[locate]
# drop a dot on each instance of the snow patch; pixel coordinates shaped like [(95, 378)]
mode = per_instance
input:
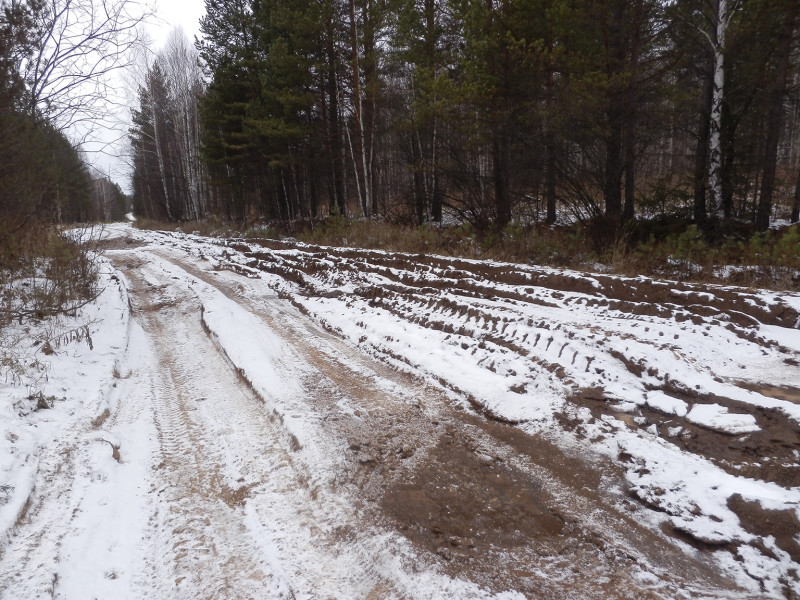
[(716, 417)]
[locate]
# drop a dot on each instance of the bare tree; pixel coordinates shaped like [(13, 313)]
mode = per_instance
[(182, 66), (169, 174), (79, 44)]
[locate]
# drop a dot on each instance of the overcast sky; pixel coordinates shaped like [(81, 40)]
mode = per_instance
[(184, 13)]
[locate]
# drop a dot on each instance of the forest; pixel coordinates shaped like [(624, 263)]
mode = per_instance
[(43, 175), (53, 55), (499, 116), (487, 112), (501, 300)]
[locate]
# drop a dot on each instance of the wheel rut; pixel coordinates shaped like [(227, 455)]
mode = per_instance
[(473, 496), (234, 496)]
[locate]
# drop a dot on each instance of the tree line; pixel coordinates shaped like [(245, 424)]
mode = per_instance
[(55, 59), (488, 111), (53, 55)]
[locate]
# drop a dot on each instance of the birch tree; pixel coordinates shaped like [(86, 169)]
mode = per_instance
[(169, 176), (367, 25), (724, 11), (182, 67)]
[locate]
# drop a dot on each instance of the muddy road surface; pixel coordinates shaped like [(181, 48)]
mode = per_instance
[(332, 423)]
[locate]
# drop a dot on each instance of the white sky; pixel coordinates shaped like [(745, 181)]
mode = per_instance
[(167, 16), (183, 13)]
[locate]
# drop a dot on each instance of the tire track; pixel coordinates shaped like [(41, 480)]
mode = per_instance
[(236, 499), (608, 544)]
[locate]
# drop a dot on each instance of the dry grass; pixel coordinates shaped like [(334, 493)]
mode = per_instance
[(100, 419), (45, 273), (670, 249)]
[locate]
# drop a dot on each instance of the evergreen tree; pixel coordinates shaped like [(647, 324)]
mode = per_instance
[(487, 109), (609, 58), (229, 49), (425, 39)]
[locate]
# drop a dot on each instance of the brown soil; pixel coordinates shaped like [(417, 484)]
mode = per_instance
[(481, 494), (768, 454), (485, 500), (790, 394), (783, 525), (737, 306), (470, 502)]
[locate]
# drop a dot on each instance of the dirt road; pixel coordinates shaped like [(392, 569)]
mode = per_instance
[(262, 451)]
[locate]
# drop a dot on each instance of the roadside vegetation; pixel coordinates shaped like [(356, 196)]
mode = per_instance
[(48, 192), (449, 111), (635, 137), (667, 248), (46, 47)]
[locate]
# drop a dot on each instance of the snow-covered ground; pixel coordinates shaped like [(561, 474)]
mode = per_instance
[(260, 419)]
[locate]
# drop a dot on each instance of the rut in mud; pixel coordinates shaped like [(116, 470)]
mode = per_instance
[(472, 495), (623, 366), (305, 422)]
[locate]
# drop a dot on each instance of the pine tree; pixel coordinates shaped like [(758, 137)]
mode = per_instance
[(425, 45), (788, 15), (229, 49), (608, 58)]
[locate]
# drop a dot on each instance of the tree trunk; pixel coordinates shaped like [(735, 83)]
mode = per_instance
[(161, 166), (431, 35), (775, 120), (613, 172), (728, 164), (357, 169), (502, 192), (334, 131), (550, 150), (550, 178), (312, 193), (615, 111), (436, 191), (369, 108), (327, 156), (796, 204), (715, 123), (630, 120), (630, 170), (419, 178), (357, 149), (701, 153)]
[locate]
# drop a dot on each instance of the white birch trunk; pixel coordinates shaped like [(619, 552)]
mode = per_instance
[(161, 167), (715, 137)]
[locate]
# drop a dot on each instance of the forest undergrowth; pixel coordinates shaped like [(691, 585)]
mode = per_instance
[(730, 253), (46, 276)]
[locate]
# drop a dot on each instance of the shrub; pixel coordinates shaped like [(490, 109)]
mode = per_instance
[(47, 273)]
